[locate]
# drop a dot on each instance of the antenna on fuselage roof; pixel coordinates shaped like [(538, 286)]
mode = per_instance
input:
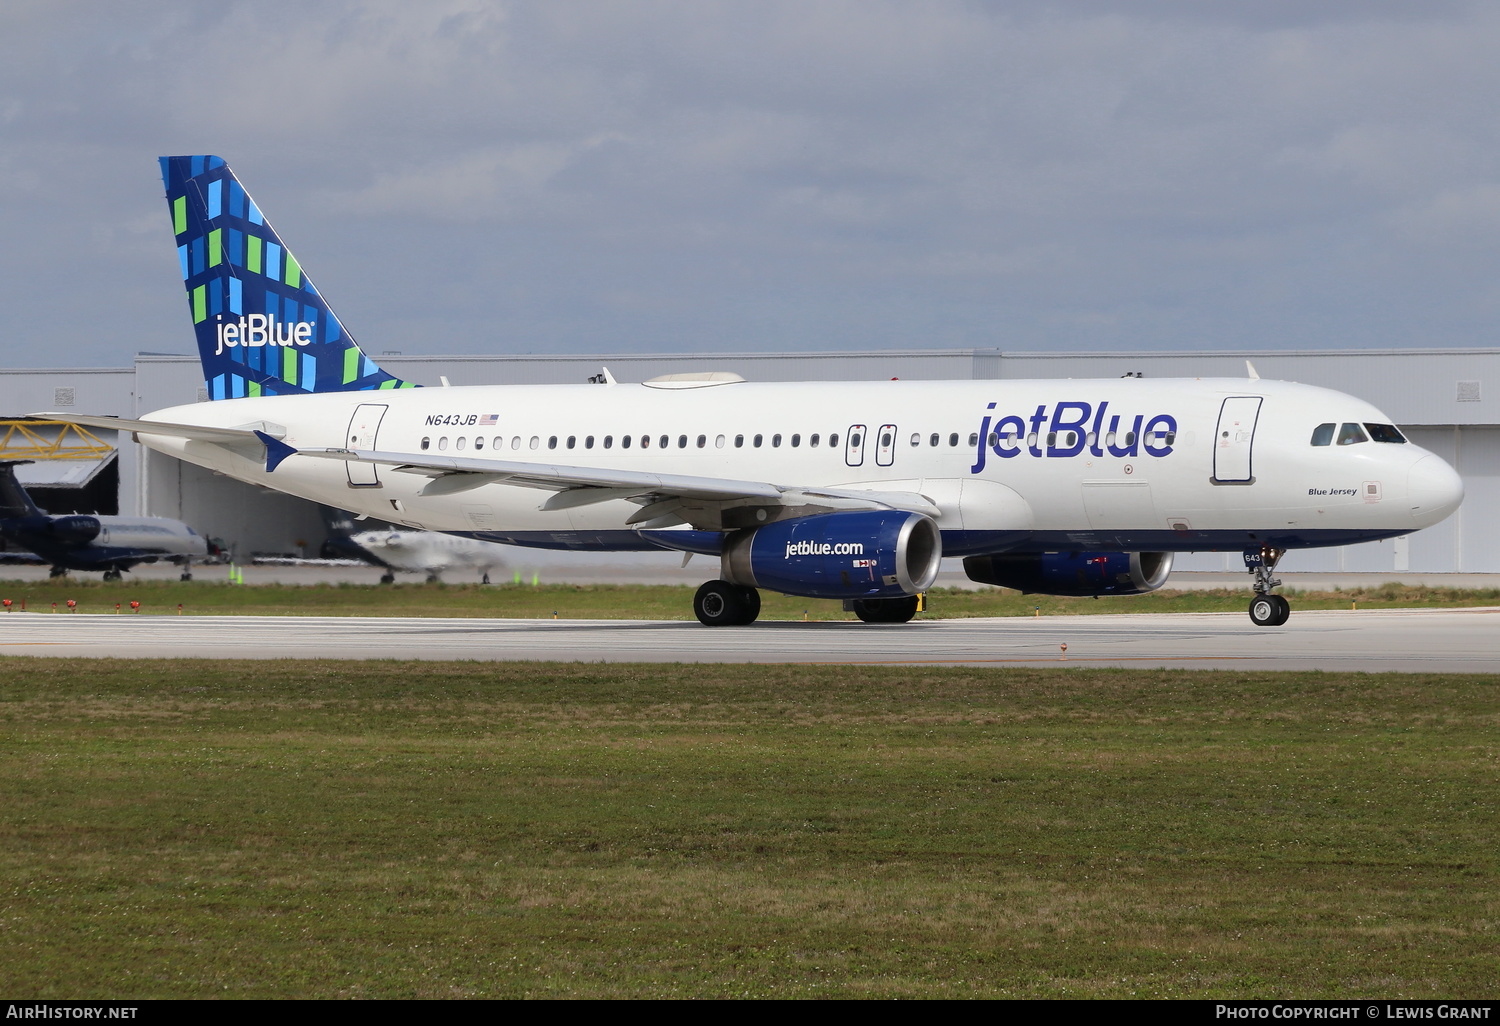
[(604, 377), (1251, 371)]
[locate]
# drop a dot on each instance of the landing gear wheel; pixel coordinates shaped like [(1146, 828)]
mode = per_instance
[(387, 578), (721, 604), (113, 575), (886, 610), (187, 575), (1266, 609), (58, 571), (751, 608), (1269, 610)]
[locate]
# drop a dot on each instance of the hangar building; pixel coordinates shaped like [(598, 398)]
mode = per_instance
[(1436, 396)]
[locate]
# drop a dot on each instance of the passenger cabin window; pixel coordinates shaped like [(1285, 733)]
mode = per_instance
[(588, 442), (974, 438), (572, 440), (459, 444), (645, 441), (609, 441), (953, 439), (813, 441), (624, 441), (739, 441), (758, 439), (1323, 434), (1352, 434), (479, 443), (552, 442), (664, 441), (796, 441), (934, 440), (776, 441), (833, 441), (916, 440), (425, 443), (443, 442), (702, 441), (1385, 433), (497, 443), (682, 441)]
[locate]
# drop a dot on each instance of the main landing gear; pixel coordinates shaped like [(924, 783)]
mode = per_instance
[(1266, 609), (113, 574), (721, 604), (894, 610)]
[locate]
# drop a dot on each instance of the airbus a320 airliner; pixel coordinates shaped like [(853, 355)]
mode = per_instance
[(834, 490)]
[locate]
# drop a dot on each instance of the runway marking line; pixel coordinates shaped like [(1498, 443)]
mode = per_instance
[(1039, 659)]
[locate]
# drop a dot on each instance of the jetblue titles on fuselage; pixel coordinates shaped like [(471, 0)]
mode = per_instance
[(1070, 428)]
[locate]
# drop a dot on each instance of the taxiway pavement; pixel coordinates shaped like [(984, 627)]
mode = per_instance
[(1425, 641)]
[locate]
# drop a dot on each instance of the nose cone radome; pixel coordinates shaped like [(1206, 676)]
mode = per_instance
[(1435, 490)]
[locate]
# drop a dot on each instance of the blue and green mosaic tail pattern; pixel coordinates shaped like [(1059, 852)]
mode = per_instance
[(262, 327)]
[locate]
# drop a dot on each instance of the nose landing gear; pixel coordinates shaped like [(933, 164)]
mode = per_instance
[(1266, 609)]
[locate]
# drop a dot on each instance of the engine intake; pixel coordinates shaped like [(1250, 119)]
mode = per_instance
[(856, 554), (1073, 573)]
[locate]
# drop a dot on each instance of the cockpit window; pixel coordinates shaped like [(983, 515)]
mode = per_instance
[(1323, 434), (1385, 433), (1352, 434)]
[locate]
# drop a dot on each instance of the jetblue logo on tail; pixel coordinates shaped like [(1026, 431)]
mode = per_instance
[(263, 330)]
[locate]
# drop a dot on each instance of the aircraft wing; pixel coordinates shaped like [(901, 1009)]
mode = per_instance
[(666, 499)]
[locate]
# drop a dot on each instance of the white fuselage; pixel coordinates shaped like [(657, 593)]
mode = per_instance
[(1118, 463)]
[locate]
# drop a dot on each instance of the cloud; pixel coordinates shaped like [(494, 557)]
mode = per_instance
[(488, 176)]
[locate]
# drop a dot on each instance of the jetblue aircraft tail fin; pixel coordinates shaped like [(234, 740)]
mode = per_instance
[(14, 502), (262, 327)]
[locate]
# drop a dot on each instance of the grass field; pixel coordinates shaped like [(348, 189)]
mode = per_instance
[(648, 602), (185, 829)]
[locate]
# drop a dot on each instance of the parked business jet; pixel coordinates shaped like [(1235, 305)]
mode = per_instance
[(85, 541), (818, 489), (418, 552)]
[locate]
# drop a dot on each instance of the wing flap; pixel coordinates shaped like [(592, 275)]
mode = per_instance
[(708, 503), (557, 478)]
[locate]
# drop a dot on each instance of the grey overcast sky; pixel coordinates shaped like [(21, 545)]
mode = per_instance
[(462, 176)]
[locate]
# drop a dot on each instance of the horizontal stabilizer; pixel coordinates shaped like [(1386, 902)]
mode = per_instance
[(158, 427)]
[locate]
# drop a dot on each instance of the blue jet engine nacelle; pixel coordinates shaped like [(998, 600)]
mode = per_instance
[(854, 555), (1073, 573)]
